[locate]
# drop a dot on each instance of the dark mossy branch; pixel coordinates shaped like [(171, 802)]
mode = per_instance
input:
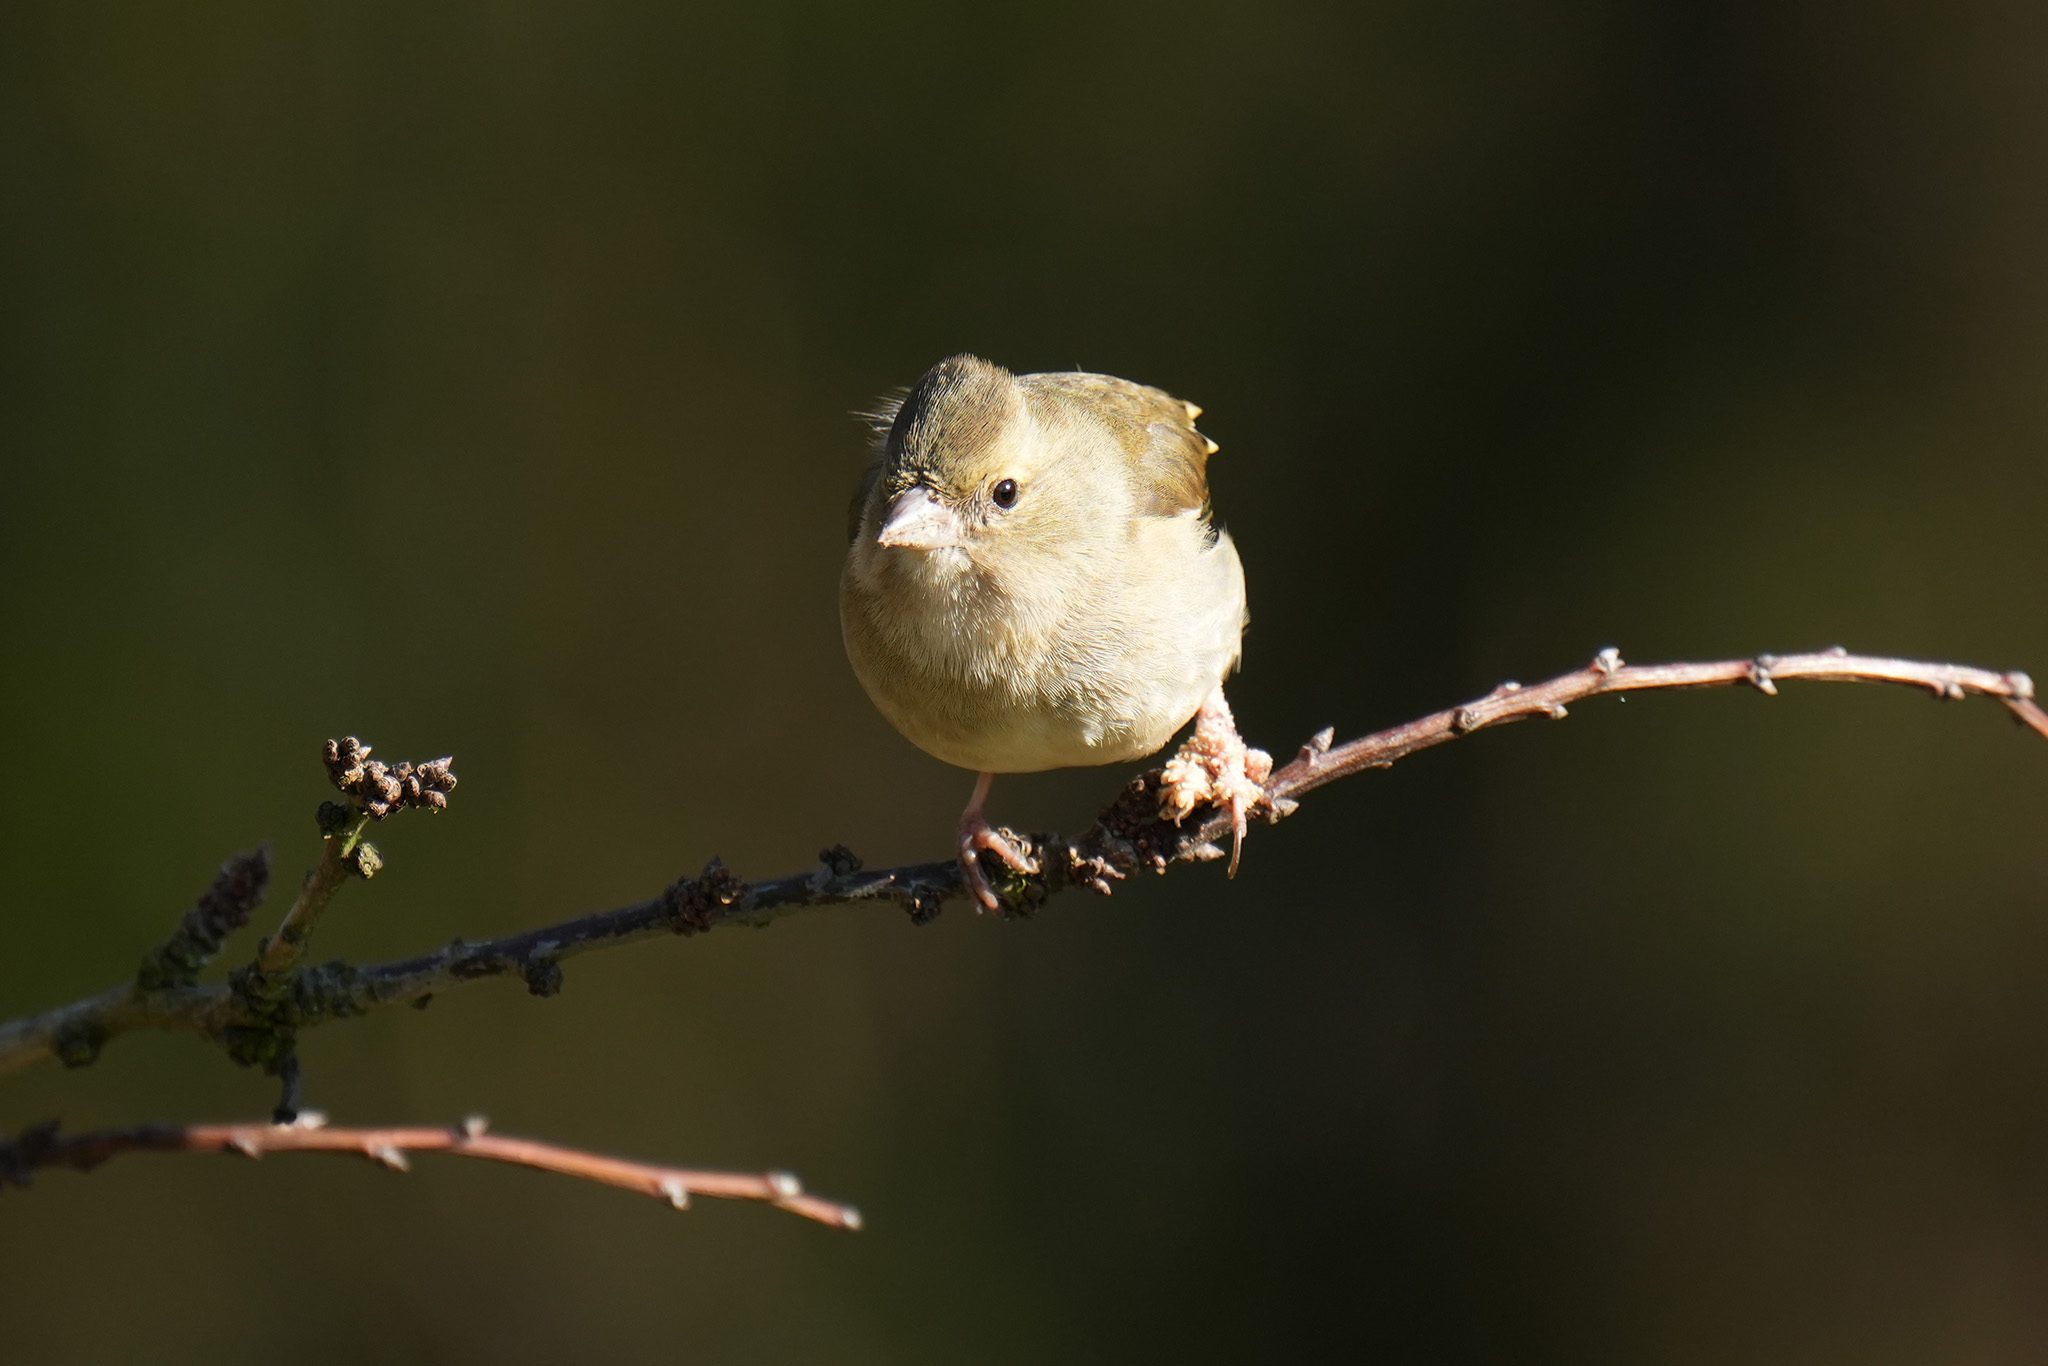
[(224, 908)]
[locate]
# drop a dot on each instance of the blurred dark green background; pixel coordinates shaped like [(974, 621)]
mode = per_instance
[(476, 378)]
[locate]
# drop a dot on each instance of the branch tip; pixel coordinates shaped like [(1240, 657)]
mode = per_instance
[(224, 907), (42, 1146), (377, 789)]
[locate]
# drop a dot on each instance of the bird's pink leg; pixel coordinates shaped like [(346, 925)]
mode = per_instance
[(1214, 766), (976, 834)]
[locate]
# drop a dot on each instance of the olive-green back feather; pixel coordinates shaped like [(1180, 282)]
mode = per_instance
[(1155, 429)]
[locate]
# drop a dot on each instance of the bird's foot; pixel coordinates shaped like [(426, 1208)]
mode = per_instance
[(1214, 767), (977, 835)]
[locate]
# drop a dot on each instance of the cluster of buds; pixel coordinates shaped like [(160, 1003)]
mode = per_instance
[(380, 788), (693, 905)]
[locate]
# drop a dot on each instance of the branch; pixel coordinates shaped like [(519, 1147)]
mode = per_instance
[(1128, 836), (43, 1147), (375, 789), (224, 908), (343, 853), (1317, 766)]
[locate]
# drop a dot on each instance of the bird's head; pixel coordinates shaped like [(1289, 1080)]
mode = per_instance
[(972, 481)]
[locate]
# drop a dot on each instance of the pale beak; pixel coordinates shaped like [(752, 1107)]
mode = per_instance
[(915, 520)]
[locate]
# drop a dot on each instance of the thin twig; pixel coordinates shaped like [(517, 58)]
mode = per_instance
[(1128, 836), (375, 789), (338, 862), (224, 908), (44, 1147)]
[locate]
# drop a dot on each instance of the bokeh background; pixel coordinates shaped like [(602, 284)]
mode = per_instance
[(476, 377)]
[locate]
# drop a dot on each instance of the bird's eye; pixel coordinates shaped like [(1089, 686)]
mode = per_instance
[(1005, 493)]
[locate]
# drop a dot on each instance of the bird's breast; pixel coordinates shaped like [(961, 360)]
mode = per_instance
[(1085, 670)]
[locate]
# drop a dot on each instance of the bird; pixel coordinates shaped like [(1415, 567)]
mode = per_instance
[(1035, 580)]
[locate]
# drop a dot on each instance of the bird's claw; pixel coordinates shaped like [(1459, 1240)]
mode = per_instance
[(975, 837), (1214, 767)]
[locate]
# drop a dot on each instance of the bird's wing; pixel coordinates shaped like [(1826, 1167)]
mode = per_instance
[(1155, 430)]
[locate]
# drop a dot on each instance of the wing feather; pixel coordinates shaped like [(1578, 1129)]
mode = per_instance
[(1153, 428)]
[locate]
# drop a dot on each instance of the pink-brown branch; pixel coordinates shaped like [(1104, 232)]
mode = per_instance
[(1318, 763), (45, 1147)]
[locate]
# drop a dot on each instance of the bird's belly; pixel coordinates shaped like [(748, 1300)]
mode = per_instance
[(1002, 730), (989, 688), (1022, 713)]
